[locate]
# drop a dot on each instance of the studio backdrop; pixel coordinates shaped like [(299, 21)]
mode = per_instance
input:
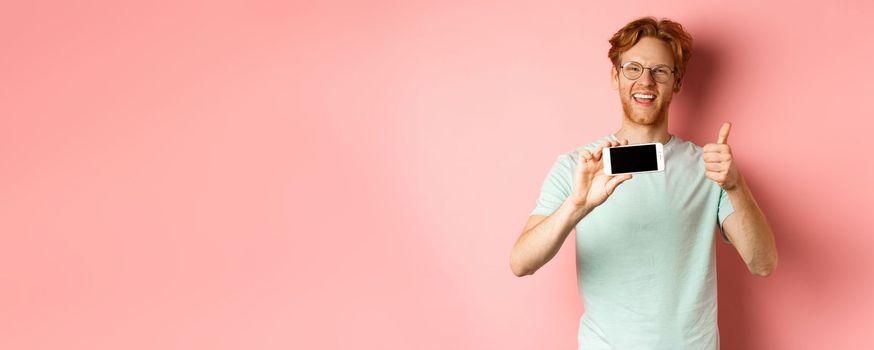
[(352, 175)]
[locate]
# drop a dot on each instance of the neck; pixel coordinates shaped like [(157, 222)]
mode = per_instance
[(637, 133)]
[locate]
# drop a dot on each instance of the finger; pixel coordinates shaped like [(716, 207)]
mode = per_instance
[(585, 156), (716, 157), (608, 144), (581, 161), (625, 142), (716, 148), (715, 176), (716, 167), (615, 181), (601, 148), (723, 133), (596, 155)]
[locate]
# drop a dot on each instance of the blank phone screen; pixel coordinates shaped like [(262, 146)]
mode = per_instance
[(633, 159)]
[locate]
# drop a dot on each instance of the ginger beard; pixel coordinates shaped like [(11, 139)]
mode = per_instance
[(654, 114), (648, 52)]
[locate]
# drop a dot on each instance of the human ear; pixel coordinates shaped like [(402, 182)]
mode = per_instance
[(614, 77)]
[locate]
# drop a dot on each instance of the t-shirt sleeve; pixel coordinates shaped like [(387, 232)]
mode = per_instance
[(557, 185), (725, 209)]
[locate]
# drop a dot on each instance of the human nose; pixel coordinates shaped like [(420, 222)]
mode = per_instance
[(646, 77)]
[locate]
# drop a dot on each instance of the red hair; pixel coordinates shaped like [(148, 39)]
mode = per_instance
[(666, 30)]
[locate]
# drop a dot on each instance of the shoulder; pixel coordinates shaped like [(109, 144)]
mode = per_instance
[(571, 157), (684, 147)]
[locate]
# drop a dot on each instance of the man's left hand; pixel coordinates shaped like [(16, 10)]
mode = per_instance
[(718, 164)]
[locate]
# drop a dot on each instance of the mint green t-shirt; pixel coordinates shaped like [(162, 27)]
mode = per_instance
[(646, 259)]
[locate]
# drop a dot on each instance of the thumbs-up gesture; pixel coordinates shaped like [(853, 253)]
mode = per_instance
[(718, 164)]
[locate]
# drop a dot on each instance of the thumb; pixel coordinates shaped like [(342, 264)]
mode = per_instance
[(723, 133), (615, 181)]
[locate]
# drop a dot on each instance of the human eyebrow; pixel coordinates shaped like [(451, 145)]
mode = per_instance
[(639, 60)]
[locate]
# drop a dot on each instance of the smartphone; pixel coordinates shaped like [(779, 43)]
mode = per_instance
[(642, 158)]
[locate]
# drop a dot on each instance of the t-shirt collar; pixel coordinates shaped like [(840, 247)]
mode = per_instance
[(670, 142)]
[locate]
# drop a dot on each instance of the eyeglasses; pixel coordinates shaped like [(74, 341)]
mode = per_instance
[(660, 73)]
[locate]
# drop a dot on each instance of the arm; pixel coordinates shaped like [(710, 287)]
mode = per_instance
[(746, 227), (748, 230), (542, 236)]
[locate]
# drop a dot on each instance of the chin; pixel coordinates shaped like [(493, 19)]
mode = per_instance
[(646, 120), (644, 116)]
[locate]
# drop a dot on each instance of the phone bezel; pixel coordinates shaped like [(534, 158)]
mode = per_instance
[(660, 158)]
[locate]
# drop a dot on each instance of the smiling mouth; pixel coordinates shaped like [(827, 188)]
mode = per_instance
[(643, 98)]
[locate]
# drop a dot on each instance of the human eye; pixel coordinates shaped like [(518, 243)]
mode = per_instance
[(663, 70), (633, 68)]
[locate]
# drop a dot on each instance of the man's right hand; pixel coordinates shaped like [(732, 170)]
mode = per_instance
[(591, 186)]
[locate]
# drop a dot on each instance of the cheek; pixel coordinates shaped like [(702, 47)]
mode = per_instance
[(667, 94), (625, 89)]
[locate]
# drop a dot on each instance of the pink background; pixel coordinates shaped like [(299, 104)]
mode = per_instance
[(326, 175)]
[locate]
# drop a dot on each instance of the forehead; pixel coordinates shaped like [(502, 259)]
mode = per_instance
[(649, 51)]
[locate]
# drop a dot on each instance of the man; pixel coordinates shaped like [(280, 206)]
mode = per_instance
[(645, 248)]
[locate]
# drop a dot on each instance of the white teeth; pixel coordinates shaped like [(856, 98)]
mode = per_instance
[(645, 96)]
